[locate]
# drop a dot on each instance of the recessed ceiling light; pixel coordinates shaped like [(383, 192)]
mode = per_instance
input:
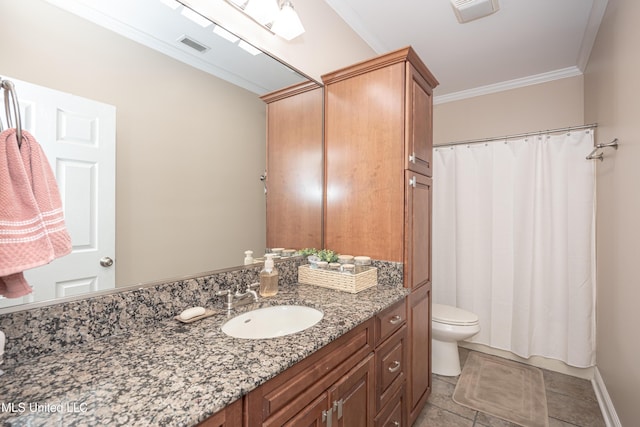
[(197, 18)]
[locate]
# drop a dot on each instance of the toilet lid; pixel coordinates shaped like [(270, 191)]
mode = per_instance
[(452, 315)]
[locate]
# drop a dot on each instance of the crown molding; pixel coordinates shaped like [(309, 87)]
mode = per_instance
[(508, 85)]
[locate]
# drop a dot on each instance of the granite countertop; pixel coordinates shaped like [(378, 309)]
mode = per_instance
[(174, 374)]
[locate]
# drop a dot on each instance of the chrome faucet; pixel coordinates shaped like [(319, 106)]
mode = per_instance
[(238, 298)]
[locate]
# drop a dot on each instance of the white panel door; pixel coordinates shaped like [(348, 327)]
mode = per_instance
[(78, 135)]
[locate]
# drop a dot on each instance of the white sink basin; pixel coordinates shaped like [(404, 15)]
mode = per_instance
[(271, 322)]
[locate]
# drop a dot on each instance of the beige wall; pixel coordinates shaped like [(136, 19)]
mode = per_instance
[(551, 105), (612, 98), (190, 147)]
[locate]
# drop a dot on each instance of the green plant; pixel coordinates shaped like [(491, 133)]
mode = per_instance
[(324, 254)]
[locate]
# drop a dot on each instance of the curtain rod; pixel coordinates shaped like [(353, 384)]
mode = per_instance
[(521, 135)]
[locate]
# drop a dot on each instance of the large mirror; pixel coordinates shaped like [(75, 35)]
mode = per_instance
[(190, 144)]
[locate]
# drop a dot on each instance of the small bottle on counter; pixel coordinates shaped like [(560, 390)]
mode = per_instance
[(269, 277), (362, 263), (248, 257)]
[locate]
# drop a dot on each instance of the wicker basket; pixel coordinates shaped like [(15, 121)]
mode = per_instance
[(352, 283)]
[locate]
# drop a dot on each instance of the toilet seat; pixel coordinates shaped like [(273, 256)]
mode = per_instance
[(450, 315)]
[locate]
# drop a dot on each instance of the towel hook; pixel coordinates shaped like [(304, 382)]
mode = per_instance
[(10, 91)]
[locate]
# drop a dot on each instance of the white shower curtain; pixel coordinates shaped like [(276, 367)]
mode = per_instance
[(514, 242)]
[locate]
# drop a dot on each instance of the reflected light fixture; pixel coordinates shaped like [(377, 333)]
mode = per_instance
[(277, 16), (287, 25), (263, 11)]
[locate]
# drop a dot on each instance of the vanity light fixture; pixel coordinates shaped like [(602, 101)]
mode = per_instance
[(287, 25), (263, 11), (277, 16)]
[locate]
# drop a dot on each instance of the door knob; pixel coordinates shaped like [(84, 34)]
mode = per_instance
[(106, 262)]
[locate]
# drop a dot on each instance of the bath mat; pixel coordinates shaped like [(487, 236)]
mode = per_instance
[(502, 388)]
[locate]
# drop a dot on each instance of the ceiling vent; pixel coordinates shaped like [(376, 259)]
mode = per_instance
[(468, 10), (193, 44)]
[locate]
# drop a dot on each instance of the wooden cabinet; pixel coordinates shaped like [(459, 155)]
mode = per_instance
[(347, 404), (231, 416), (419, 342), (417, 230), (377, 125), (294, 170), (419, 122), (351, 399), (336, 383), (391, 365), (393, 415), (378, 162)]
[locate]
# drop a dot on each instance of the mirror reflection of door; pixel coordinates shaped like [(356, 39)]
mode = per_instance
[(78, 135)]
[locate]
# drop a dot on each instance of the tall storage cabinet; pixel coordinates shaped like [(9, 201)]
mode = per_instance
[(294, 171), (378, 142)]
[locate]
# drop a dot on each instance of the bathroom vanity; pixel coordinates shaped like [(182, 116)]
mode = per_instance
[(176, 374)]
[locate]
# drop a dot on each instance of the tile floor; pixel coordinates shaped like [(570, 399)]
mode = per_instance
[(571, 402)]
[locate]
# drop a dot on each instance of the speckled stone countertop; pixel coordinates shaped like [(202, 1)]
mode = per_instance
[(170, 373)]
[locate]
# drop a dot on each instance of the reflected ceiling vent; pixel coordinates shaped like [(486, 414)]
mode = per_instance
[(469, 10), (186, 40)]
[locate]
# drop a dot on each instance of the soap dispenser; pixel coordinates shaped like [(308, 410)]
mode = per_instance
[(268, 278), (248, 257)]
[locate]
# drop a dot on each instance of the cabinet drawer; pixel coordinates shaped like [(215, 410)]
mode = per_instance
[(393, 414), (390, 321), (391, 360)]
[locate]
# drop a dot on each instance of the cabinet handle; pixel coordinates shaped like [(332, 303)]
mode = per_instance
[(412, 158), (395, 320), (327, 417), (413, 182), (394, 366), (395, 424)]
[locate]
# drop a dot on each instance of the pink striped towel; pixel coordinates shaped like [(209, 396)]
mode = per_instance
[(32, 228)]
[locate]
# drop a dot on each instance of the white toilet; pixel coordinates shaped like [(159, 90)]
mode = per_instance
[(448, 326)]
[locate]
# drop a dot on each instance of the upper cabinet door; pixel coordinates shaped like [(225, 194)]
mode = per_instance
[(294, 181), (418, 123), (364, 161)]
